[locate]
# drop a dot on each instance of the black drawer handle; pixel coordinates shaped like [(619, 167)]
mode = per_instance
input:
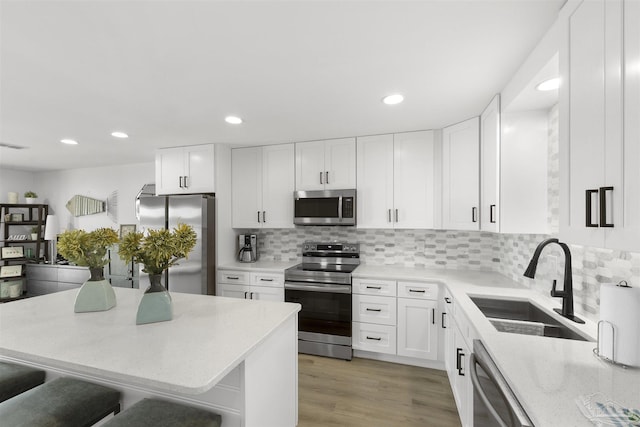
[(266, 280), (374, 309), (374, 287), (447, 300), (374, 338), (459, 356), (442, 320), (233, 277), (419, 291)]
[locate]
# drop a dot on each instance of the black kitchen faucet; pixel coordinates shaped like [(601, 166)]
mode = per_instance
[(567, 290)]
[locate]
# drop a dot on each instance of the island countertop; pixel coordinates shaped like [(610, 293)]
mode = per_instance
[(207, 338)]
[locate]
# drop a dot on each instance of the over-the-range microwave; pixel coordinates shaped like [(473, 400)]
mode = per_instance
[(325, 207)]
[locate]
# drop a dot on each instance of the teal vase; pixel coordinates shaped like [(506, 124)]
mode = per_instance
[(156, 304), (96, 294)]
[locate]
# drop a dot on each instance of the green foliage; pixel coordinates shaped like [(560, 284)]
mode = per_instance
[(159, 249), (87, 248), (30, 194)]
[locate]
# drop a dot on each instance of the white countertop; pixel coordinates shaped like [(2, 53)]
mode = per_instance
[(207, 338), (259, 266), (546, 374)]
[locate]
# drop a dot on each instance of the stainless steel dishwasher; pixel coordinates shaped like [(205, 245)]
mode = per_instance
[(494, 404)]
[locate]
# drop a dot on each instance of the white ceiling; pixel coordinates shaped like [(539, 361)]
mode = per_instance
[(168, 72)]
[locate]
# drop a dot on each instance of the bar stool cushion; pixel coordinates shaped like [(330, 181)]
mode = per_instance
[(14, 379), (63, 402), (160, 413)]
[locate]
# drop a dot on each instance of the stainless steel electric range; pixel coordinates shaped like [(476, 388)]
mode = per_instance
[(322, 285)]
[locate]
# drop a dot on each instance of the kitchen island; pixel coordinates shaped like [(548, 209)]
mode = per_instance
[(235, 357)]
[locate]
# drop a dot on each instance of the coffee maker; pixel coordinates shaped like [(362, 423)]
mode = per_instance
[(248, 248)]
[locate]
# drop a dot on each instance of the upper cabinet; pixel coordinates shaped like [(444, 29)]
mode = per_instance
[(262, 186), (490, 165), (461, 176), (185, 170), (396, 180), (324, 165), (599, 127)]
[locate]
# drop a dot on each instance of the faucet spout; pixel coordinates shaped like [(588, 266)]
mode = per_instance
[(567, 290)]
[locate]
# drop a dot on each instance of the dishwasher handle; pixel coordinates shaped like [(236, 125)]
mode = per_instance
[(477, 388)]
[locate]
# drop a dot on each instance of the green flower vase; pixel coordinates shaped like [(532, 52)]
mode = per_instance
[(156, 304), (96, 294)]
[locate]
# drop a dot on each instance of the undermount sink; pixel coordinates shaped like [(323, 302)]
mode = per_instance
[(523, 317)]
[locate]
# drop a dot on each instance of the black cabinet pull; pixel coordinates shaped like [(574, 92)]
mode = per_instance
[(474, 214), (374, 309), (589, 208), (459, 356), (447, 300), (258, 216), (492, 215), (264, 216), (186, 182), (433, 316), (442, 320), (374, 287), (180, 182), (321, 178), (374, 338), (420, 291), (603, 206), (326, 174)]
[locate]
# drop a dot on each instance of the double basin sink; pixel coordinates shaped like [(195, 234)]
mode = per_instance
[(523, 317)]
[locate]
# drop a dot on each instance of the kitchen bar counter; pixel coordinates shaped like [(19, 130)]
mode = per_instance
[(546, 374), (223, 353)]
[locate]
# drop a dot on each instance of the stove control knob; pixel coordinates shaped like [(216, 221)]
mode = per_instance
[(306, 247)]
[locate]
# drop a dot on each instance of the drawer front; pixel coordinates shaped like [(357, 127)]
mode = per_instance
[(267, 279), (374, 309), (372, 337), (73, 275), (418, 290), (233, 277), (374, 287)]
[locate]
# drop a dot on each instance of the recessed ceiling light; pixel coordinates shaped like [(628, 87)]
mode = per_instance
[(551, 84), (396, 98), (69, 141), (119, 134), (233, 120)]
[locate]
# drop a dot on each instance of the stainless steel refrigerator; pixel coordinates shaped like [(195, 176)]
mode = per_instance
[(195, 274)]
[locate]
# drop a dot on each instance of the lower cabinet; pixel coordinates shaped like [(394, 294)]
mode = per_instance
[(396, 317), (251, 285), (49, 278), (458, 340)]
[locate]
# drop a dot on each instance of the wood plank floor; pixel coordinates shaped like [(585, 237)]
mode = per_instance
[(369, 393)]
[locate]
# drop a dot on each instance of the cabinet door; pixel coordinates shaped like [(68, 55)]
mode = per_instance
[(461, 384), (417, 328), (246, 187), (414, 180), (625, 234), (490, 165), (266, 293), (169, 170), (340, 163), (375, 182), (584, 143), (278, 183), (310, 165), (199, 169), (461, 176), (233, 291)]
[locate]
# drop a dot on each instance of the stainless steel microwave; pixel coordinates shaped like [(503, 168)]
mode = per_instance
[(328, 207)]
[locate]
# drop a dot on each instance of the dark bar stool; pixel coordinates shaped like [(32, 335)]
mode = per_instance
[(64, 402), (160, 413), (15, 379)]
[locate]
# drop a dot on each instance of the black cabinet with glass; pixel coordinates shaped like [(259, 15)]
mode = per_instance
[(21, 242)]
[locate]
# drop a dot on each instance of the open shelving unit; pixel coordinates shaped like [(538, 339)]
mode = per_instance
[(18, 220)]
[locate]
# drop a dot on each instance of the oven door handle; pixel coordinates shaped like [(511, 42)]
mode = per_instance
[(318, 287)]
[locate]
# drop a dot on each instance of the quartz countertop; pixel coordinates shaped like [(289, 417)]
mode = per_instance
[(546, 374), (207, 338), (259, 266)]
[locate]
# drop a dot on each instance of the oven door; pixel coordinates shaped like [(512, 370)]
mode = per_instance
[(324, 322)]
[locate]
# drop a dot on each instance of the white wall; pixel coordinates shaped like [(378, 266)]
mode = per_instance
[(56, 188), (18, 182)]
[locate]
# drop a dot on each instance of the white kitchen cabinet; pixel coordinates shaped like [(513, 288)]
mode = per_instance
[(262, 185), (490, 166), (396, 181), (326, 165), (406, 325), (461, 176), (600, 152), (251, 285), (185, 170)]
